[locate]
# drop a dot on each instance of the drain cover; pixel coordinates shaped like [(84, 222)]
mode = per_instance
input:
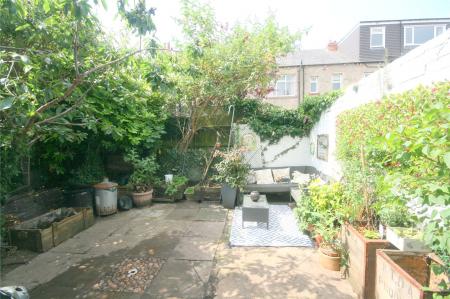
[(130, 275)]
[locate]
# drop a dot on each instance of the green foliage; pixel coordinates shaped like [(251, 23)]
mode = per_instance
[(407, 145), (394, 214), (216, 65), (324, 207), (91, 170), (59, 90), (144, 170), (189, 163), (371, 234), (272, 123), (232, 170), (173, 187), (189, 190)]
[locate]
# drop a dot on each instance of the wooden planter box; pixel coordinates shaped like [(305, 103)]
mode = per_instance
[(403, 243), (403, 274), (212, 193), (27, 235), (361, 260)]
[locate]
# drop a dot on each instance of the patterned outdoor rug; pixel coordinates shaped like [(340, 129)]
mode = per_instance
[(283, 230)]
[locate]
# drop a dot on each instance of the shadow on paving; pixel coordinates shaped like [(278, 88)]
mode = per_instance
[(282, 279), (97, 277)]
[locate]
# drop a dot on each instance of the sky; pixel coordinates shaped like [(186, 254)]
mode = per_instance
[(327, 20)]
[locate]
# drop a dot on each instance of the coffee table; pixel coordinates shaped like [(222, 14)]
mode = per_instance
[(257, 211)]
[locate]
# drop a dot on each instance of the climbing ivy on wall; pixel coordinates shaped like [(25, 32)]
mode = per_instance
[(272, 123)]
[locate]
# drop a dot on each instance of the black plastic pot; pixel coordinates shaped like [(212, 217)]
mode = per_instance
[(228, 195)]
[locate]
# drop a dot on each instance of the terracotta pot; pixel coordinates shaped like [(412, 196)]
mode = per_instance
[(142, 199), (329, 262)]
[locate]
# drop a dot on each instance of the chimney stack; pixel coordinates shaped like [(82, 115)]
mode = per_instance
[(332, 46)]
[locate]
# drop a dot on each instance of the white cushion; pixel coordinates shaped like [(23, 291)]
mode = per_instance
[(301, 178), (264, 176), (281, 174)]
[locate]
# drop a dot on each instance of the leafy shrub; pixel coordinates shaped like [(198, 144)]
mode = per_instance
[(322, 204), (173, 187), (404, 142), (143, 173), (232, 170)]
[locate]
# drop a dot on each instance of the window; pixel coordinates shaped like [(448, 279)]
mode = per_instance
[(419, 34), (285, 86), (314, 84), (336, 81), (377, 37)]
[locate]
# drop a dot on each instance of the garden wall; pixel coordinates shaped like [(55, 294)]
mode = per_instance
[(424, 65), (287, 152)]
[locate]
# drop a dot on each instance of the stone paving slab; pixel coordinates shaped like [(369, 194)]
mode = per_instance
[(181, 279), (288, 272), (196, 260), (183, 214), (195, 249), (205, 229), (211, 214)]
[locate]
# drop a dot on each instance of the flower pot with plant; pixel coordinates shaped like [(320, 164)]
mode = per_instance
[(330, 247), (189, 193), (142, 177), (175, 188), (232, 173)]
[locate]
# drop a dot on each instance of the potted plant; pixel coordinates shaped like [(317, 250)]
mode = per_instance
[(175, 188), (141, 178), (189, 193), (330, 247), (232, 173)]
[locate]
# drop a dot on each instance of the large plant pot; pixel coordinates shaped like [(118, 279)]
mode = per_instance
[(142, 199), (228, 195), (329, 261), (403, 274), (361, 260)]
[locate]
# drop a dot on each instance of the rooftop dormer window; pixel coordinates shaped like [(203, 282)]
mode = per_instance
[(377, 37), (419, 34)]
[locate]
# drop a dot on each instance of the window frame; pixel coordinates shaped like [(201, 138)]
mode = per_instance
[(412, 27), (341, 80), (383, 32), (274, 93), (314, 79)]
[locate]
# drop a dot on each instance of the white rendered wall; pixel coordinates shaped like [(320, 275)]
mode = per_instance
[(422, 66)]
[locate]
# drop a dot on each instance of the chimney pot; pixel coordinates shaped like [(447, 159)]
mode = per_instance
[(332, 46)]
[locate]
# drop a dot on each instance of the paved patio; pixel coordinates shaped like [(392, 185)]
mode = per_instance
[(174, 251)]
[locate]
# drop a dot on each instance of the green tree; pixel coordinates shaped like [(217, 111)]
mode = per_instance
[(61, 80), (216, 65)]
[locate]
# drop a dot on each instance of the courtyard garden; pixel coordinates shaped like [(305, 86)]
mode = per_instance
[(125, 171)]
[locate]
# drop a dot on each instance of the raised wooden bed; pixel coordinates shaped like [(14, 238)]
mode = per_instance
[(361, 260), (212, 193), (44, 232), (405, 274)]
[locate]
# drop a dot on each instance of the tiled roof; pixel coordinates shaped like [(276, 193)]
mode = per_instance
[(315, 57)]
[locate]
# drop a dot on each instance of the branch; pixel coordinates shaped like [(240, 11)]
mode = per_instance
[(77, 103)]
